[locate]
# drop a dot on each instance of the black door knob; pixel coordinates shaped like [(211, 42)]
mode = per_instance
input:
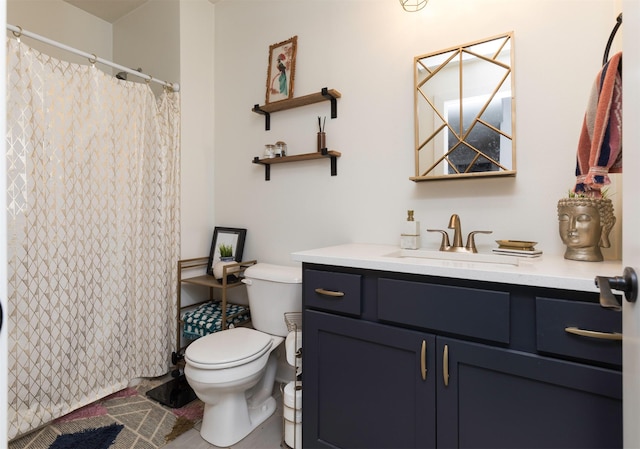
[(627, 283)]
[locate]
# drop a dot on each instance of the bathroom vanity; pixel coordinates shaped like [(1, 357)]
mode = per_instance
[(405, 352)]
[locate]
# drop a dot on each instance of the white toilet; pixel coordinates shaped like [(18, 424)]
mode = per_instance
[(233, 371)]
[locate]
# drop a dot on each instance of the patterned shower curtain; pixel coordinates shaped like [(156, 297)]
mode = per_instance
[(93, 234)]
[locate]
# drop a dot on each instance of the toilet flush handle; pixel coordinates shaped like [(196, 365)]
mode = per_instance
[(246, 281)]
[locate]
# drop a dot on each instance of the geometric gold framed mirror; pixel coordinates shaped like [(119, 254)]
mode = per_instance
[(465, 111)]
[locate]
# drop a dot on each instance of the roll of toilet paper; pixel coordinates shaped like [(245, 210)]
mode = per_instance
[(292, 344), (292, 395), (293, 434)]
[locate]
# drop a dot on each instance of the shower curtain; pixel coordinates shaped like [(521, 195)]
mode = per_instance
[(93, 234)]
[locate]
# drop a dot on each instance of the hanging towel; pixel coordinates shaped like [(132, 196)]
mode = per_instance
[(600, 144)]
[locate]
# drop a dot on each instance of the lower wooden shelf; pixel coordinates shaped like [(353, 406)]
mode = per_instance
[(212, 283), (267, 162)]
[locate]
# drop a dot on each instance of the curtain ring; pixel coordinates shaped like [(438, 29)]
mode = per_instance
[(148, 80), (18, 33), (94, 59)]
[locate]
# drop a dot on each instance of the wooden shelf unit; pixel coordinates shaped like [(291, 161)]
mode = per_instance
[(209, 281), (324, 95), (267, 162)]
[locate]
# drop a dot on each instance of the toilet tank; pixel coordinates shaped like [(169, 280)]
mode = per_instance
[(273, 290)]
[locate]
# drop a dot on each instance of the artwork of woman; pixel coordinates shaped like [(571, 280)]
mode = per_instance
[(584, 226), (281, 77), (281, 72)]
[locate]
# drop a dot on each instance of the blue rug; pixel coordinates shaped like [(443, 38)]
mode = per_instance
[(100, 438)]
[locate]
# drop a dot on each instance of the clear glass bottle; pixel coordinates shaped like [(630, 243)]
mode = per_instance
[(281, 148), (269, 151)]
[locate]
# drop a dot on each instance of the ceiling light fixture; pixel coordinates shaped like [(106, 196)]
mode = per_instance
[(413, 5)]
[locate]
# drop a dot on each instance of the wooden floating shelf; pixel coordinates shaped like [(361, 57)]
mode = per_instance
[(299, 101), (267, 162), (324, 95), (297, 157)]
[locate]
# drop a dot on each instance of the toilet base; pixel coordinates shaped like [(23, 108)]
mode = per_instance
[(235, 422), (237, 413)]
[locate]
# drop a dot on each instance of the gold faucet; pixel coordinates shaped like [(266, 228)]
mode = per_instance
[(454, 223)]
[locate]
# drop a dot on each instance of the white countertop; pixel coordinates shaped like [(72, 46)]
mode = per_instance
[(544, 271)]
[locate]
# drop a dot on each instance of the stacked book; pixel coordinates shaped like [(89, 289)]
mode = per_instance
[(518, 248)]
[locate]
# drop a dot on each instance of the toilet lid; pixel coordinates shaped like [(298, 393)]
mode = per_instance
[(274, 273), (228, 348)]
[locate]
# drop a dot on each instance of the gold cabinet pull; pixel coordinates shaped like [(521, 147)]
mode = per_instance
[(423, 360), (445, 365), (332, 293), (594, 334)]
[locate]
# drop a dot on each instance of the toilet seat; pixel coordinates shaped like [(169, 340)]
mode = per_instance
[(229, 348)]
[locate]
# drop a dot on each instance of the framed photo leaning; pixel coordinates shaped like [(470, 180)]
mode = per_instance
[(233, 237), (282, 69)]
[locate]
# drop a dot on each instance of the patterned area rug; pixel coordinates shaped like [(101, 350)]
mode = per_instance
[(125, 420)]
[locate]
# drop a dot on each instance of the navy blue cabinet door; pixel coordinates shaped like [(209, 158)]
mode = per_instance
[(499, 398), (363, 384)]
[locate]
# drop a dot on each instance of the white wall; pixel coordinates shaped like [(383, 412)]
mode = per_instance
[(64, 23), (365, 50), (197, 90), (149, 38)]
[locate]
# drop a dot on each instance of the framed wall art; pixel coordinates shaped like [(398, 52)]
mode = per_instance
[(233, 237), (282, 69)]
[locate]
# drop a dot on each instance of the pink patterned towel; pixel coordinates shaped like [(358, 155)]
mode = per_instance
[(600, 145)]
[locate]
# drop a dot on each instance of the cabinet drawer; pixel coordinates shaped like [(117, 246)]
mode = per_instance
[(335, 292), (554, 316), (456, 310)]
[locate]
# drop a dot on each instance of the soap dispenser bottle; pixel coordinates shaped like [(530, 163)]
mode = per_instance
[(410, 236)]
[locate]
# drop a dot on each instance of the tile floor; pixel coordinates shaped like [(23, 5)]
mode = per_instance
[(267, 436)]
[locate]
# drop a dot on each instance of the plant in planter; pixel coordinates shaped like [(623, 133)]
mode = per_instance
[(226, 258), (584, 225), (226, 251)]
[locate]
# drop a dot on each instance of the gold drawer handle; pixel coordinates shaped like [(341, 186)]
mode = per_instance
[(594, 334), (423, 360), (332, 293), (445, 365)]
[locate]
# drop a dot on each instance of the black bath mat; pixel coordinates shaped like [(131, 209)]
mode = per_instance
[(174, 393)]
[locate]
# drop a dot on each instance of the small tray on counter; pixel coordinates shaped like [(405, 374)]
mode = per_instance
[(521, 245), (521, 248), (517, 252)]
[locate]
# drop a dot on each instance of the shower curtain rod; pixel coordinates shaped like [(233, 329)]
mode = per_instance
[(18, 31)]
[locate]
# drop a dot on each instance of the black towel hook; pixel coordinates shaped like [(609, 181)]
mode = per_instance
[(611, 36)]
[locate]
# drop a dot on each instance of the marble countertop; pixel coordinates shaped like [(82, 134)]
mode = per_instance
[(544, 271)]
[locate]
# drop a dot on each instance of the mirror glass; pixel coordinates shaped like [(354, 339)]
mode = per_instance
[(464, 111)]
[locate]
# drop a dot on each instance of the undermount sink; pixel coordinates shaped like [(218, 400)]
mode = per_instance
[(461, 256)]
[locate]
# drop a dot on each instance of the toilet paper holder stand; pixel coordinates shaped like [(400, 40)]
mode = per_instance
[(293, 321)]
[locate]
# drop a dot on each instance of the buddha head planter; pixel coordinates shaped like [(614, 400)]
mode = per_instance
[(584, 226)]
